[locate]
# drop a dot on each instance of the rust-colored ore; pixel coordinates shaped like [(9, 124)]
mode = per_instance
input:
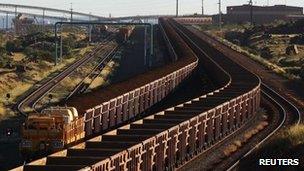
[(90, 100)]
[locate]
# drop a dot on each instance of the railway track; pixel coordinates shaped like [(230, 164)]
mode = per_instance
[(32, 99), (289, 114), (170, 138), (83, 86)]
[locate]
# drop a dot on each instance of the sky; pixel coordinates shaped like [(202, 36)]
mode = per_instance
[(144, 7)]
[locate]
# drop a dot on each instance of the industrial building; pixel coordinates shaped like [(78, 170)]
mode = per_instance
[(23, 24), (262, 14)]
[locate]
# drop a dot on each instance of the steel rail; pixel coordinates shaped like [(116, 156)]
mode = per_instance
[(299, 120), (267, 88), (68, 74), (278, 96), (102, 61), (248, 87), (53, 80), (268, 136), (79, 64)]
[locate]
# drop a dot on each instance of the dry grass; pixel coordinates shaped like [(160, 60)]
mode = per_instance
[(295, 135), (257, 129), (18, 57), (286, 143), (68, 84), (103, 78), (270, 65), (17, 84), (230, 150)]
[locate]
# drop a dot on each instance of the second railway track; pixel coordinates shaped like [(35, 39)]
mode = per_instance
[(32, 99)]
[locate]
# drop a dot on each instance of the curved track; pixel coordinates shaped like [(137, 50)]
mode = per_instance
[(169, 138), (289, 113)]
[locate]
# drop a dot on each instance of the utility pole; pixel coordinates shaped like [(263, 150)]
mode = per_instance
[(71, 12), (60, 59), (15, 11), (6, 21), (251, 11), (176, 8), (3, 23), (220, 14), (43, 16), (202, 7), (90, 29)]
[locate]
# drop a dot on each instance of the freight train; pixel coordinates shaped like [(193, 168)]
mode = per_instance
[(55, 128), (167, 139)]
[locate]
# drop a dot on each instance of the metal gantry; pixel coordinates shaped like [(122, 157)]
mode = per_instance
[(92, 23)]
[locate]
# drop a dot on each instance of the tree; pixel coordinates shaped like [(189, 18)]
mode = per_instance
[(14, 46), (4, 59)]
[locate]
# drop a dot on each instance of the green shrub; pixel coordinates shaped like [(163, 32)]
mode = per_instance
[(14, 46)]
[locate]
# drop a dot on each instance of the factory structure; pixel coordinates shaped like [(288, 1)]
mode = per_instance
[(261, 14), (24, 24)]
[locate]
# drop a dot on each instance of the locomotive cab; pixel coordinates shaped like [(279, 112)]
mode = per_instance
[(50, 130)]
